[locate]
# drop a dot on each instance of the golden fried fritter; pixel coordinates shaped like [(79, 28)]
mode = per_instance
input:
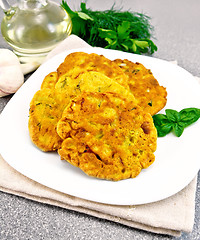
[(50, 80), (107, 136), (45, 111), (48, 104), (79, 62), (151, 96)]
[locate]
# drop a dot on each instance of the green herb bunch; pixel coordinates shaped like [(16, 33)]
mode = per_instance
[(174, 121), (114, 29)]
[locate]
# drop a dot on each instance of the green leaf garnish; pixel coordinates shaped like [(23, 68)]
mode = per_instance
[(175, 121), (84, 16), (115, 29)]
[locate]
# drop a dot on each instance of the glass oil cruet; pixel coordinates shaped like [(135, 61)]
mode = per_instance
[(34, 27)]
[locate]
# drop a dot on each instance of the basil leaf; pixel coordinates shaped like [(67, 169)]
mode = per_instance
[(172, 115), (164, 129), (160, 117), (178, 129), (175, 121), (162, 125), (189, 115)]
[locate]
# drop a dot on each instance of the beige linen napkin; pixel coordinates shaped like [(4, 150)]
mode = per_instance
[(170, 216)]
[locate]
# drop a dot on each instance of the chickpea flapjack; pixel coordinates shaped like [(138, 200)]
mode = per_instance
[(50, 80), (107, 136), (150, 95), (45, 111)]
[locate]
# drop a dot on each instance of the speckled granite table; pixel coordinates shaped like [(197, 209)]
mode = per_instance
[(178, 38)]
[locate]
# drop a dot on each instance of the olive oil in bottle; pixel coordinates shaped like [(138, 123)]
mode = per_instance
[(35, 27)]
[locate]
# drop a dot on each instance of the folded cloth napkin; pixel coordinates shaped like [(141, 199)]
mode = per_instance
[(170, 216)]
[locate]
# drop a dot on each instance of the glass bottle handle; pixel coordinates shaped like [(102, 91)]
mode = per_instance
[(5, 5), (7, 8)]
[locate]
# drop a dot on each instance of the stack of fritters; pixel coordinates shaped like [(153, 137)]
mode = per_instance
[(97, 115)]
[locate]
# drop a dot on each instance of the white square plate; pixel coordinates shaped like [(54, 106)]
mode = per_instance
[(177, 159)]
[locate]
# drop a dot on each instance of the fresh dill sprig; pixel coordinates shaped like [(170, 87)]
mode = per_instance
[(116, 29)]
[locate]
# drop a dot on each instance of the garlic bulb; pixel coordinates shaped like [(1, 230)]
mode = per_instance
[(11, 76)]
